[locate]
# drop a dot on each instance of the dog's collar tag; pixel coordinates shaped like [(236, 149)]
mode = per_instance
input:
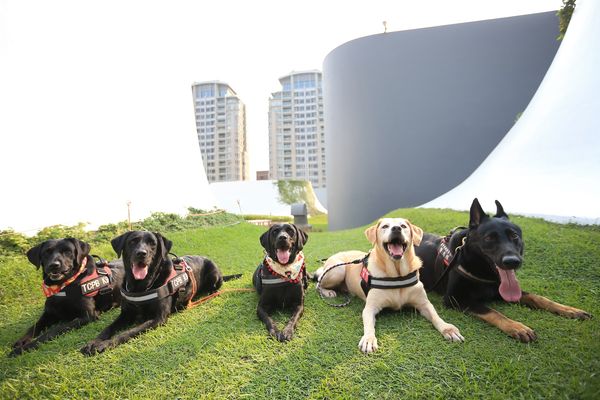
[(445, 253)]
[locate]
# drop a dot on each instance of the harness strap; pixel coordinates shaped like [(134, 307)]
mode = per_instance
[(369, 282), (348, 298), (174, 282), (452, 261), (99, 282), (180, 262)]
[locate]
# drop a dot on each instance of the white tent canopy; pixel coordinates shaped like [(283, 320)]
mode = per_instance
[(548, 164)]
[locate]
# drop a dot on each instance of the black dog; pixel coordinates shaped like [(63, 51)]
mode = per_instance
[(76, 289), (281, 279), (476, 265), (154, 286)]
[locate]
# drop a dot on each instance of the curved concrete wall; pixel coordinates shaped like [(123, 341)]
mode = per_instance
[(410, 114)]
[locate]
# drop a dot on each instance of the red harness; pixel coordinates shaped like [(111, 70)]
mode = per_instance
[(99, 281)]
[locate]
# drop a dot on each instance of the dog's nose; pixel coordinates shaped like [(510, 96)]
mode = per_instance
[(396, 229), (141, 253), (54, 266), (511, 261)]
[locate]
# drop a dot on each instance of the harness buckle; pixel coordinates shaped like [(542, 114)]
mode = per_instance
[(105, 290)]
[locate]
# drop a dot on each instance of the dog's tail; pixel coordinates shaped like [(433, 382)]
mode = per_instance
[(231, 277)]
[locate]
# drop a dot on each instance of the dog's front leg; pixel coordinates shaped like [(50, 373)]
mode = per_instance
[(368, 343), (264, 316), (449, 331), (59, 329), (43, 322), (288, 331), (512, 328), (539, 302), (124, 319), (125, 336)]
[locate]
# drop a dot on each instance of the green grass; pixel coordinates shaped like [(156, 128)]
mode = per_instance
[(221, 350)]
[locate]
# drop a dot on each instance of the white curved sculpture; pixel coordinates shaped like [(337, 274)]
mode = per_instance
[(548, 164)]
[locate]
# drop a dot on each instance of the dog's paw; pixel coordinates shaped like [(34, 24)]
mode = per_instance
[(22, 342), (521, 332), (327, 292), (95, 347), (285, 335), (17, 351), (575, 313), (451, 333), (368, 344)]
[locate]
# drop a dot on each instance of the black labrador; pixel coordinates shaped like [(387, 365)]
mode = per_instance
[(155, 286), (281, 278), (476, 265), (76, 289)]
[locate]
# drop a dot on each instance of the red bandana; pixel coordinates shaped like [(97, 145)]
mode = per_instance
[(51, 290)]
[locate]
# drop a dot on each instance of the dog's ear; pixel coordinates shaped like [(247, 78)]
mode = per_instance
[(477, 214), (302, 237), (82, 249), (417, 234), (264, 240), (118, 243), (371, 233), (164, 244), (500, 211), (34, 255)]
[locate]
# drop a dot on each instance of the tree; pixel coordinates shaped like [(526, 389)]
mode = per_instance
[(564, 17)]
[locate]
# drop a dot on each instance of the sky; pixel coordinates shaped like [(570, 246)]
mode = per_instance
[(95, 96)]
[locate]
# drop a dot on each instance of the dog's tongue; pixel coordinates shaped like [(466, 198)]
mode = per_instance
[(283, 256), (509, 286), (396, 250), (139, 271)]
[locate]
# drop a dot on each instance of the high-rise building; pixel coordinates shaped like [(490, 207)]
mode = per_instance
[(296, 132), (221, 129)]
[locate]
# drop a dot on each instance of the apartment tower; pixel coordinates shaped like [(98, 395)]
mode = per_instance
[(296, 133), (221, 129)]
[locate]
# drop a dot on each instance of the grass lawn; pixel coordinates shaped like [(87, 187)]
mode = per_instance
[(221, 350)]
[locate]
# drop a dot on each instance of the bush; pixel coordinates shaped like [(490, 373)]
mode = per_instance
[(13, 243)]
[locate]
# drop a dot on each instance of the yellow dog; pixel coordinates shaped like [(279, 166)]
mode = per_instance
[(388, 278)]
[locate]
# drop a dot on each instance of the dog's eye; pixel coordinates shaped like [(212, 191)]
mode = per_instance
[(403, 226), (68, 253), (385, 226), (489, 238), (514, 235)]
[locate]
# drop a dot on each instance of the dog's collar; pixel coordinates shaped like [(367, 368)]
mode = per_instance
[(291, 272), (177, 279), (369, 282), (462, 271), (57, 290), (448, 256)]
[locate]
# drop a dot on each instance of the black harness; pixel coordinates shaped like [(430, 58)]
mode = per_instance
[(451, 260), (175, 282), (369, 281)]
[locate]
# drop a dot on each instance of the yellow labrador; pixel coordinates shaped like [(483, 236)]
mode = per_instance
[(388, 278)]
